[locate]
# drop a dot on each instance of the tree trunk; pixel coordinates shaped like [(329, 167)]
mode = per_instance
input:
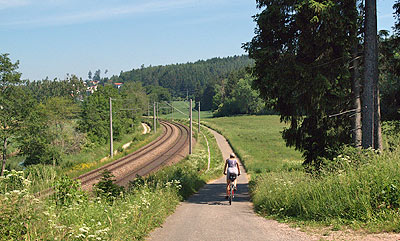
[(3, 163), (370, 72), (356, 121), (377, 120)]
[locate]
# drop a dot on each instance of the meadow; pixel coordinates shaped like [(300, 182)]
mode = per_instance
[(258, 142), (358, 189)]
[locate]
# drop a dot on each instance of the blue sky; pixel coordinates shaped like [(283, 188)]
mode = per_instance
[(55, 37)]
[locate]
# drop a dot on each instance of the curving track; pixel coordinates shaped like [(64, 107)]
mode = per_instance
[(170, 147)]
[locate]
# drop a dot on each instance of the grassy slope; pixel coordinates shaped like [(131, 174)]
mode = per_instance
[(183, 106), (257, 140)]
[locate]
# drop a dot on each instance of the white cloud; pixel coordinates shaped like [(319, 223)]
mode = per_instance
[(13, 3)]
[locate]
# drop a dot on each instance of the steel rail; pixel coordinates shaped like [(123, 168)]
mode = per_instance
[(120, 163), (161, 160)]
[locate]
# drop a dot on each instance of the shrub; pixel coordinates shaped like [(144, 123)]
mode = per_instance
[(13, 180), (106, 188), (17, 209), (67, 191)]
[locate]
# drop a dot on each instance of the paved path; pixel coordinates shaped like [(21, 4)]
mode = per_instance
[(208, 216)]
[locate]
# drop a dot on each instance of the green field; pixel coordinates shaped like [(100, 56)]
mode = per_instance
[(181, 111), (258, 141), (361, 190)]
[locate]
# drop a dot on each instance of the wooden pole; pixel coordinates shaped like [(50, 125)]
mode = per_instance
[(199, 117)]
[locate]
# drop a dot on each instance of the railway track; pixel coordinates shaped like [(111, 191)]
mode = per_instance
[(166, 149), (170, 147), (177, 151)]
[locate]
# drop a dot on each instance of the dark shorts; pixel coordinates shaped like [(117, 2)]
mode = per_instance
[(231, 176)]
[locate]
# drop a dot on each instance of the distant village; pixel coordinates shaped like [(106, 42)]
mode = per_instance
[(91, 86), (93, 82)]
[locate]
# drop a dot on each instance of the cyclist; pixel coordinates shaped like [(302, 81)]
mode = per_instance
[(231, 167)]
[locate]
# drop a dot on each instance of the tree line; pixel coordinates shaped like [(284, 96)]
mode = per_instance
[(196, 80), (45, 120)]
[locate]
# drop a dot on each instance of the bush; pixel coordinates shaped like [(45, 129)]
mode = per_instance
[(17, 209), (67, 191), (13, 180), (106, 188)]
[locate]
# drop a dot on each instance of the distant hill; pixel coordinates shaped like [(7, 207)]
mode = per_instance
[(192, 77)]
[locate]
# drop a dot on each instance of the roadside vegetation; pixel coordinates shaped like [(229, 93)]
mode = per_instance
[(358, 188), (109, 213)]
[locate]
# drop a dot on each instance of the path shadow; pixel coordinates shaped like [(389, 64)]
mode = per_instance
[(214, 194)]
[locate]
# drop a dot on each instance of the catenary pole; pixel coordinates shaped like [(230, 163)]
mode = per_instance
[(190, 133), (111, 131), (199, 116), (154, 118)]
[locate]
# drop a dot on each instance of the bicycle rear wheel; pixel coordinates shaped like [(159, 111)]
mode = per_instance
[(231, 195)]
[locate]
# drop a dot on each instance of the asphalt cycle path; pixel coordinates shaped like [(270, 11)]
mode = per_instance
[(207, 215)]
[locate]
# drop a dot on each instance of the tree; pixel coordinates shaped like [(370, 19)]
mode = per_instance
[(95, 120), (371, 136), (134, 100), (60, 112), (12, 104), (302, 51), (389, 69), (237, 96), (96, 76), (158, 93), (72, 88), (37, 141)]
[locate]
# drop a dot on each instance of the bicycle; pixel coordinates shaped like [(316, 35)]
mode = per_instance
[(232, 177)]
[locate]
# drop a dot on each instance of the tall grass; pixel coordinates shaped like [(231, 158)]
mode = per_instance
[(358, 188), (368, 195)]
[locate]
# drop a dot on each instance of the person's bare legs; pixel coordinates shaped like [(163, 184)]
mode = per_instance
[(227, 188)]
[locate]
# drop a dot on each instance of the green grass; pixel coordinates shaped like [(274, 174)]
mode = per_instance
[(183, 107), (90, 160), (362, 191), (258, 141)]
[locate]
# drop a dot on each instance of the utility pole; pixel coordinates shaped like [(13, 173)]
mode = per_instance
[(154, 117), (190, 133), (172, 112), (157, 111), (199, 117), (111, 131)]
